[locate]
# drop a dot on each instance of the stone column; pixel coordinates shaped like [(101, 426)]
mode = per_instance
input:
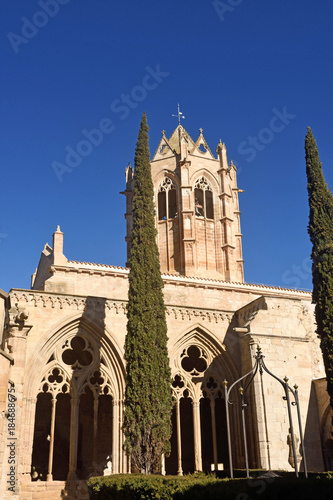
[(115, 436), (73, 442), (29, 410), (163, 465), (179, 439), (95, 432), (16, 344), (53, 414), (197, 436), (212, 411), (122, 451), (25, 469), (5, 361)]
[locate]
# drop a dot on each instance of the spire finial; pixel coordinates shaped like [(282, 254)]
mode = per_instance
[(179, 115), (200, 130)]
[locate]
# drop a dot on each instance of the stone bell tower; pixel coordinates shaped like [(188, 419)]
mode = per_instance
[(197, 210)]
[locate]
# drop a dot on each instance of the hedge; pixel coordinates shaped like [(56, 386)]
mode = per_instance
[(202, 487)]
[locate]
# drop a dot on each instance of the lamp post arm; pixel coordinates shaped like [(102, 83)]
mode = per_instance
[(272, 375), (249, 382), (241, 378)]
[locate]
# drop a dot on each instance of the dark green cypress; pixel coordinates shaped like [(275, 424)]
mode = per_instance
[(148, 397), (321, 234)]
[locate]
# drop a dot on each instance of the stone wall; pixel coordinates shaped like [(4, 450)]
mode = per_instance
[(226, 321)]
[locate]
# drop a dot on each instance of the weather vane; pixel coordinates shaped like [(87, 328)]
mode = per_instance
[(179, 115)]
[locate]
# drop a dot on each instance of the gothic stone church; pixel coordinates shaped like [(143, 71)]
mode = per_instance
[(62, 344)]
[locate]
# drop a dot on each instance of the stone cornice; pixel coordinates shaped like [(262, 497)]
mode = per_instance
[(169, 279), (82, 303), (268, 291), (193, 281), (97, 304), (90, 268), (67, 301), (210, 315)]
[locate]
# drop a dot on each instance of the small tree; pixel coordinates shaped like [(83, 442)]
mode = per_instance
[(148, 397), (321, 234)]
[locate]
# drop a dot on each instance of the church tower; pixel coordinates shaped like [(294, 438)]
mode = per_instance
[(197, 210)]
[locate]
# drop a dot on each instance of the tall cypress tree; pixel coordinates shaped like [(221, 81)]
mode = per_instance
[(148, 397), (321, 234)]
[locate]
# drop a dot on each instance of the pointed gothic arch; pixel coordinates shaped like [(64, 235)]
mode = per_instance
[(167, 206), (216, 350), (65, 329), (199, 364), (211, 178), (79, 362)]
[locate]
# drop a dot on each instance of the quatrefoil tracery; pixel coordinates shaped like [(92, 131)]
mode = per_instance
[(55, 382), (195, 375), (98, 382), (193, 360), (167, 184), (178, 386), (203, 184), (212, 387), (211, 383), (96, 378), (78, 353), (55, 376)]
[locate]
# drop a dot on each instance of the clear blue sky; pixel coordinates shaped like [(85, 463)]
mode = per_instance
[(233, 66)]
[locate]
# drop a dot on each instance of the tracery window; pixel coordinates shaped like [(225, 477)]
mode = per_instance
[(167, 200), (199, 439), (76, 390), (203, 196)]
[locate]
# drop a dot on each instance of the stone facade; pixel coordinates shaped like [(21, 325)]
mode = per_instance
[(63, 344)]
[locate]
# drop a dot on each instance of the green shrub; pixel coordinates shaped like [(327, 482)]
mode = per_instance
[(209, 487)]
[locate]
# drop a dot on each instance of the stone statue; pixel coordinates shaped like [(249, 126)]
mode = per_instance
[(291, 459)]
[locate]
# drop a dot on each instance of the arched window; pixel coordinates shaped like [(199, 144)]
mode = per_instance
[(167, 200), (203, 196), (75, 367)]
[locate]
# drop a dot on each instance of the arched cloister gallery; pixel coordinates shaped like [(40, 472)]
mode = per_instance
[(75, 405), (199, 439)]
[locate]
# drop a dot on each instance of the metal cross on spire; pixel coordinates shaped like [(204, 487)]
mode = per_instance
[(179, 115)]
